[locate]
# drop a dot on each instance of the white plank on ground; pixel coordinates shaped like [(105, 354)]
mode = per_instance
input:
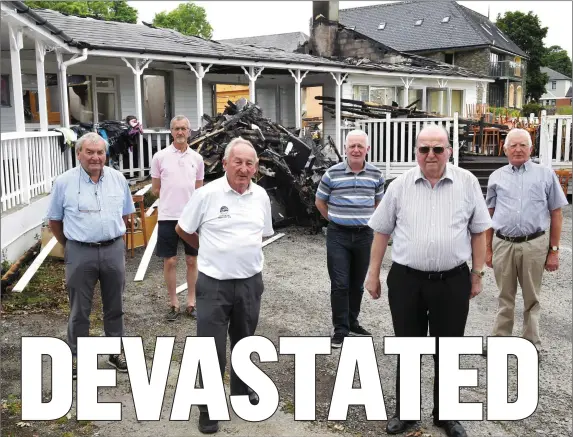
[(143, 190), (152, 208), (146, 256), (31, 271), (183, 287)]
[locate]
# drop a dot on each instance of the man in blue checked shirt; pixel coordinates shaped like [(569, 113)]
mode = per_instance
[(347, 196), (87, 215)]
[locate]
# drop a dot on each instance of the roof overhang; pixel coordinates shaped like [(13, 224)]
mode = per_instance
[(476, 47), (317, 68), (31, 28)]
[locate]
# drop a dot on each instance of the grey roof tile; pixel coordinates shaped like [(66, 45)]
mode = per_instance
[(288, 42), (465, 27), (116, 36), (554, 75)]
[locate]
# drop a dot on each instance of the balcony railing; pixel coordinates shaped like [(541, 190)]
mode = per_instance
[(506, 69)]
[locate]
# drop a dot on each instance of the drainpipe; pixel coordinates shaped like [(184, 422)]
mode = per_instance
[(63, 68)]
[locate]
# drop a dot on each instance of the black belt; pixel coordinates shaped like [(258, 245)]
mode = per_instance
[(522, 238), (433, 275), (350, 228), (99, 243)]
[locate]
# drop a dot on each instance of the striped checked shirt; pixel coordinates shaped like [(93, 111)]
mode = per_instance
[(432, 226), (351, 196), (522, 198)]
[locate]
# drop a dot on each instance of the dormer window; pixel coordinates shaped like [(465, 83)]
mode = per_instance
[(445, 19), (381, 26), (419, 22)]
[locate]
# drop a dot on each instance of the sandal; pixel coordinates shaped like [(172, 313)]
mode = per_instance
[(191, 311)]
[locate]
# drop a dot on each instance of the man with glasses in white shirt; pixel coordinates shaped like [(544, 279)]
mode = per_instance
[(437, 216), (88, 210)]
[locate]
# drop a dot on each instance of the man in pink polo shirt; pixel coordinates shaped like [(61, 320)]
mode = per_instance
[(176, 173)]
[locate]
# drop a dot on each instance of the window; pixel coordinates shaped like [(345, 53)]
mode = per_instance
[(419, 22), (449, 58), (501, 34), (554, 85), (445, 20), (375, 94), (487, 30), (32, 101), (381, 26), (5, 90), (105, 99)]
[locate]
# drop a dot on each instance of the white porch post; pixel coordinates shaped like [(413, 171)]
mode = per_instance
[(137, 72), (298, 79), (16, 44), (200, 73), (339, 79), (442, 84), (253, 76), (484, 93), (424, 98), (43, 109), (449, 102), (407, 84)]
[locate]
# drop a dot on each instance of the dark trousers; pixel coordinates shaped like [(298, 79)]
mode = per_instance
[(84, 267), (348, 256), (228, 306), (416, 304)]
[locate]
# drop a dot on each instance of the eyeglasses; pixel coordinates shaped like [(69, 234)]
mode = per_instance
[(438, 150)]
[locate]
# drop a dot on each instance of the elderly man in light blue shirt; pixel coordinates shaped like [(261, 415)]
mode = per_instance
[(87, 215), (525, 201)]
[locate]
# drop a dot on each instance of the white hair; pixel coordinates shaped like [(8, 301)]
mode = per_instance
[(356, 133), (434, 128), (234, 142), (90, 137), (514, 132), (179, 118)]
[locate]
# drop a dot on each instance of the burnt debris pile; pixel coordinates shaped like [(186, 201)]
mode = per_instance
[(290, 165)]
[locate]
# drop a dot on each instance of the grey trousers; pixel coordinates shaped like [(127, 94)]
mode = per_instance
[(228, 305), (84, 267)]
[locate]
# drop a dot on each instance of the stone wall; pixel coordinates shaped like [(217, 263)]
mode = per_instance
[(475, 60)]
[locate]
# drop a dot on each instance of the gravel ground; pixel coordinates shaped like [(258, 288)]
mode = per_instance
[(296, 302)]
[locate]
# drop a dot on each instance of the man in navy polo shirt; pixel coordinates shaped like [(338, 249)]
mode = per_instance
[(347, 196)]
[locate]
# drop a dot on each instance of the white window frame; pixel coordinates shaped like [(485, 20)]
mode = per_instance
[(105, 90)]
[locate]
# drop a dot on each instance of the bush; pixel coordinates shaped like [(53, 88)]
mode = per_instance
[(528, 108)]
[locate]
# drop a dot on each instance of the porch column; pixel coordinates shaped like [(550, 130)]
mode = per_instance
[(449, 102), (298, 79), (339, 79), (424, 99), (16, 44), (137, 72), (43, 109), (484, 93), (200, 73), (442, 84), (253, 76), (407, 82)]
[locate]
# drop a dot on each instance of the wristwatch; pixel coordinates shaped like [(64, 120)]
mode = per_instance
[(554, 248), (479, 273)]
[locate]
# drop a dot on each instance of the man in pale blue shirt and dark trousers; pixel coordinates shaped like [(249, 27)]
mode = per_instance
[(347, 196), (525, 201), (87, 214)]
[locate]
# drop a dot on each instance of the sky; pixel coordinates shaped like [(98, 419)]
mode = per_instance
[(237, 19)]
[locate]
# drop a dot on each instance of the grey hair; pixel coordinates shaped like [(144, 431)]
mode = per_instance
[(234, 142), (514, 132), (356, 133), (90, 137), (179, 118), (434, 128)]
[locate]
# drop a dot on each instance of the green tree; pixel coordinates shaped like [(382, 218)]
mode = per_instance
[(105, 10), (187, 18), (526, 31), (558, 59)]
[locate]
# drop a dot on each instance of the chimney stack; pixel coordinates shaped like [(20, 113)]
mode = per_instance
[(327, 8)]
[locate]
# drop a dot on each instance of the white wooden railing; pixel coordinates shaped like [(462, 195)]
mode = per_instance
[(392, 140), (555, 140), (30, 163), (131, 165)]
